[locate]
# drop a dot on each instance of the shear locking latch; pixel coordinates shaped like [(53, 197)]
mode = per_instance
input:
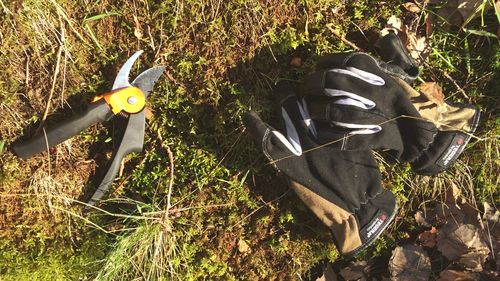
[(129, 99)]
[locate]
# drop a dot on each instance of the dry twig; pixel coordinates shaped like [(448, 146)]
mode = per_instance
[(343, 39)]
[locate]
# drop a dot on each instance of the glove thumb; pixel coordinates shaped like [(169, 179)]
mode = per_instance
[(255, 126)]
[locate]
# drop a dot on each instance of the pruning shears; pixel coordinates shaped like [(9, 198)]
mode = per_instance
[(124, 99)]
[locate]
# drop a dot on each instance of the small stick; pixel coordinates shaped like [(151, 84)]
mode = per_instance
[(456, 85), (171, 182), (445, 74), (27, 75), (343, 39), (171, 160)]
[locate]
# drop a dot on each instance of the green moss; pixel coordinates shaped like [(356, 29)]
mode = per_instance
[(221, 61)]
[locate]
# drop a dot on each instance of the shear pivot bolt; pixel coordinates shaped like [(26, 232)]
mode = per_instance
[(132, 100)]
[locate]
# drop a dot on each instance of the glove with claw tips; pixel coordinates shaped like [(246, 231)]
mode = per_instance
[(357, 106), (455, 122), (342, 188)]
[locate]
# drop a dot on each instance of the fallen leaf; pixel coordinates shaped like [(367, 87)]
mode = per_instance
[(394, 24), (149, 113), (453, 192), (454, 240), (433, 92), (137, 28), (412, 7), (243, 246), (356, 271), (441, 213), (463, 243), (429, 25), (460, 12), (491, 214), (455, 275), (409, 262), (474, 259), (428, 238), (491, 225), (417, 46), (328, 274), (296, 61), (420, 219)]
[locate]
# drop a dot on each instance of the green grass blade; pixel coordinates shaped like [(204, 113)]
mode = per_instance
[(100, 16)]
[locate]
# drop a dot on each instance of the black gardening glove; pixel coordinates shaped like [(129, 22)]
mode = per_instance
[(356, 105), (455, 122), (342, 188)]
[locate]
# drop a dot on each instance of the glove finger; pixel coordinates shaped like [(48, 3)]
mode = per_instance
[(343, 111), (364, 62), (273, 143), (399, 62), (352, 83), (294, 113), (353, 60), (333, 60), (255, 126)]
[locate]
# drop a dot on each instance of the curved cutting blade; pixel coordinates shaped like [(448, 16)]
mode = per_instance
[(121, 80), (147, 79)]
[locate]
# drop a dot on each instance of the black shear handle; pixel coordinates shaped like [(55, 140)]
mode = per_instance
[(96, 112), (132, 141)]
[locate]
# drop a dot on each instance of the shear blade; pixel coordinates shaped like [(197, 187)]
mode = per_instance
[(147, 79), (121, 80)]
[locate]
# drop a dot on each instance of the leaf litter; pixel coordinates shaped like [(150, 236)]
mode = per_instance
[(409, 262), (461, 235), (463, 244), (356, 271), (428, 238), (457, 275)]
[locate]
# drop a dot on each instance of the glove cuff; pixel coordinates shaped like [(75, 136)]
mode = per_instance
[(374, 216), (352, 231), (446, 148)]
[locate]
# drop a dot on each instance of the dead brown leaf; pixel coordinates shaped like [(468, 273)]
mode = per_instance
[(417, 45), (356, 271), (137, 28), (149, 113), (412, 7), (460, 12), (491, 226), (428, 238), (491, 213), (420, 219), (453, 192), (328, 274), (463, 243), (474, 259), (394, 24), (434, 93), (296, 61), (243, 246), (455, 275), (443, 213), (409, 262)]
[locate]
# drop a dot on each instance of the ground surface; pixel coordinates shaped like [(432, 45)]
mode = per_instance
[(229, 216)]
